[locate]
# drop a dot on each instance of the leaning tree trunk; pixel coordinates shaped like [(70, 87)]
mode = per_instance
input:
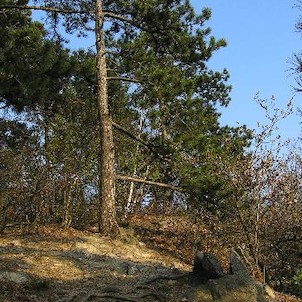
[(107, 211)]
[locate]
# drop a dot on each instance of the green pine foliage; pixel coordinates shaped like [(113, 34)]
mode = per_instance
[(174, 106), (180, 97), (50, 141), (33, 68)]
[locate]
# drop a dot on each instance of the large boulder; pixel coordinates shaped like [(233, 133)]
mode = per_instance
[(237, 267), (238, 286), (206, 267), (229, 289)]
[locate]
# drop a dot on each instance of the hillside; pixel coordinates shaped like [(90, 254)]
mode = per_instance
[(53, 264)]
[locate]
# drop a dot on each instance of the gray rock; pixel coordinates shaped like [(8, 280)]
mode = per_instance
[(206, 267), (238, 286), (229, 288), (237, 267), (13, 277)]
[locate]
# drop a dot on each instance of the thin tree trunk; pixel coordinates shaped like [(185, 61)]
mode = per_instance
[(131, 189), (129, 201), (133, 202), (67, 219), (107, 220), (257, 230)]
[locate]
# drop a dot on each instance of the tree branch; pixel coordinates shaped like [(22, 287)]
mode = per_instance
[(122, 129), (149, 182), (45, 8), (110, 52), (151, 147), (113, 15), (105, 13), (124, 79)]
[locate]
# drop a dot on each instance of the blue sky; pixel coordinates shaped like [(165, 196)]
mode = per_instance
[(261, 40)]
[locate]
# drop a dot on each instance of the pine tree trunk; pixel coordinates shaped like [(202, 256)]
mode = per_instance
[(107, 220)]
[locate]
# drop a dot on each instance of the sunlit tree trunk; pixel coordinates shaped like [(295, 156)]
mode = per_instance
[(107, 211), (130, 203)]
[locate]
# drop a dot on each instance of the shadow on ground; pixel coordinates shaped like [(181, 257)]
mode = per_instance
[(61, 266), (55, 265)]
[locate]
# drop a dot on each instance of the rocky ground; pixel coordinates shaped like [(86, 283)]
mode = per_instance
[(52, 264)]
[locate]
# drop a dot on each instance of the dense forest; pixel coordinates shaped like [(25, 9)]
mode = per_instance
[(128, 129)]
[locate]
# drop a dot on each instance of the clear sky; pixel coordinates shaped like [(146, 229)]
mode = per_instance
[(261, 39)]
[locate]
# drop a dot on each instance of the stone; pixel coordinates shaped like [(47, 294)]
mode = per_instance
[(238, 286), (229, 288), (237, 267), (13, 277), (206, 267)]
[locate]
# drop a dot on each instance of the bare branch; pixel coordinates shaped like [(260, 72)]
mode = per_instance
[(105, 13), (108, 14), (149, 182), (124, 79), (151, 147), (110, 52), (113, 15), (122, 129)]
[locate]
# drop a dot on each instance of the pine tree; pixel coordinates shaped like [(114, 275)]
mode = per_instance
[(33, 68), (180, 97), (162, 48)]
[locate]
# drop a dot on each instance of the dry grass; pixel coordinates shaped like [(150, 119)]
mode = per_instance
[(68, 265), (182, 237)]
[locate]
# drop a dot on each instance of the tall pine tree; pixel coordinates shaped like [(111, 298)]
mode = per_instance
[(163, 48)]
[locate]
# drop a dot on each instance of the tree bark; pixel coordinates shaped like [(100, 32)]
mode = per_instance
[(107, 212)]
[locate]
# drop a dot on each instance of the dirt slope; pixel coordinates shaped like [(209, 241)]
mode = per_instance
[(52, 264), (56, 265)]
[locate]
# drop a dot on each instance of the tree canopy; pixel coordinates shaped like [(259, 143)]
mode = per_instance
[(130, 125), (160, 89)]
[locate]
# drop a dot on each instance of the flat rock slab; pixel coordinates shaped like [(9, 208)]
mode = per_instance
[(13, 277)]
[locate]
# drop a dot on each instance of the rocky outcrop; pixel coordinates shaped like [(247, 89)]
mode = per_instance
[(237, 286), (206, 267)]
